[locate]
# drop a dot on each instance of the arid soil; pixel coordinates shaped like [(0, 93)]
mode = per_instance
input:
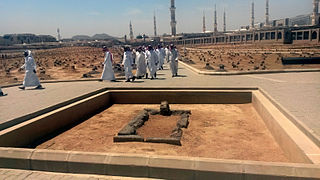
[(247, 57), (67, 63), (215, 131), (158, 126)]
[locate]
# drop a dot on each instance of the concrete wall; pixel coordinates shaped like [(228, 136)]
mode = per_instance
[(295, 144), (34, 129), (151, 166)]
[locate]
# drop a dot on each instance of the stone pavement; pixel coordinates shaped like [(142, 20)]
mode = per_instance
[(299, 93), (14, 174)]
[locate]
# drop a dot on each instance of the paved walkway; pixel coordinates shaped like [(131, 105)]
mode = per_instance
[(299, 93), (14, 174)]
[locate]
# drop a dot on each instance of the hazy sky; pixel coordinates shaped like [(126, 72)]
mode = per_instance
[(88, 17)]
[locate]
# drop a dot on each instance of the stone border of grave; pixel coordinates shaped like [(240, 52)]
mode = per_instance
[(247, 72), (129, 132)]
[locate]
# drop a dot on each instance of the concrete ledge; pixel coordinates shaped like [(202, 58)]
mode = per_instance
[(32, 130), (87, 163), (127, 165), (306, 130), (46, 160), (247, 72), (171, 167), (15, 158), (296, 145), (164, 167), (18, 120), (180, 96)]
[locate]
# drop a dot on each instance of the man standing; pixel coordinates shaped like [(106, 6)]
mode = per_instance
[(107, 73), (161, 54), (152, 60), (1, 93), (141, 63), (127, 64), (173, 60), (30, 78)]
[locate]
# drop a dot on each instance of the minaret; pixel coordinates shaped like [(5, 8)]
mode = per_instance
[(59, 35), (155, 24), (173, 19), (315, 13), (204, 23), (131, 31), (267, 13), (224, 21), (252, 15), (215, 19)]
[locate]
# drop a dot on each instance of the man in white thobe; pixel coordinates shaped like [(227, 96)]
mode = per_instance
[(108, 73), (152, 60), (167, 52), (1, 93), (141, 63), (173, 60), (161, 54), (30, 78), (127, 64)]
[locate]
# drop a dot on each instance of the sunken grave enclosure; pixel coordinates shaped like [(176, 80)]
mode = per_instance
[(193, 133)]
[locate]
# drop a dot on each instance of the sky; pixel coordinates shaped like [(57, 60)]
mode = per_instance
[(89, 17)]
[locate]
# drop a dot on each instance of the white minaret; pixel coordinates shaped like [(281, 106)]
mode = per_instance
[(267, 13), (131, 31), (204, 22), (173, 19), (315, 13), (155, 23), (215, 19), (252, 15), (59, 35), (224, 21)]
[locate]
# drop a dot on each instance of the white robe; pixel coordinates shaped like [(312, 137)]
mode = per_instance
[(152, 60), (173, 60), (161, 55), (108, 73), (30, 78), (167, 52), (127, 63), (141, 64)]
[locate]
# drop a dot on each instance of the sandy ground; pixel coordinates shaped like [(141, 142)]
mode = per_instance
[(158, 126), (72, 62), (67, 63), (247, 57), (215, 131)]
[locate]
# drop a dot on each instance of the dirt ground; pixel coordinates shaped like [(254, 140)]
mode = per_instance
[(68, 63), (158, 126), (215, 131), (247, 57)]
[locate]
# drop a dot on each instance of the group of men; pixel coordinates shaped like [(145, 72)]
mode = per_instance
[(147, 61)]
